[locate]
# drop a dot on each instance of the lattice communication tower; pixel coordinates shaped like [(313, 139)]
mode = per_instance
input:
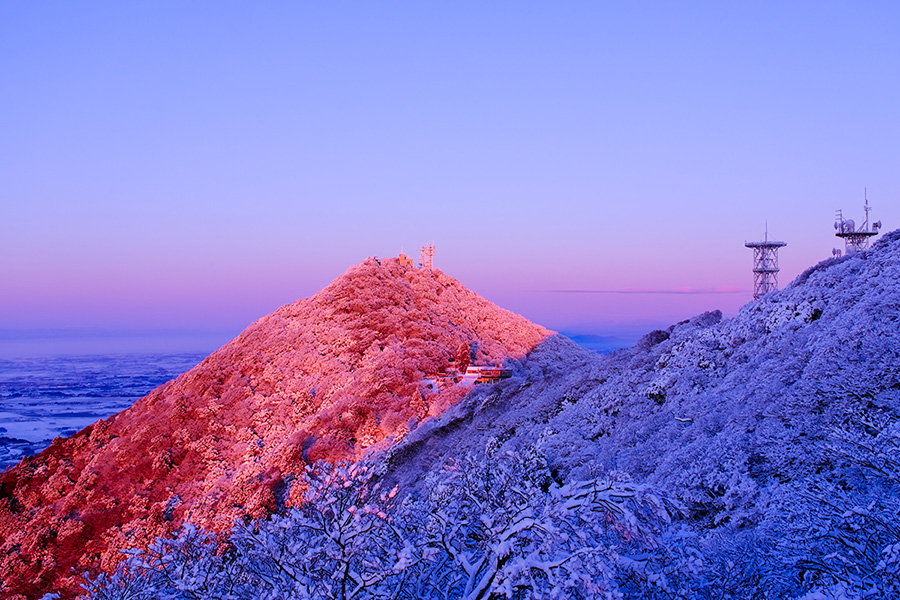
[(765, 265), (855, 240), (426, 257)]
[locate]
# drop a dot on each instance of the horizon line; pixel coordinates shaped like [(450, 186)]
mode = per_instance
[(687, 292)]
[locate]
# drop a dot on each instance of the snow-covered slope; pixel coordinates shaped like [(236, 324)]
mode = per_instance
[(331, 377), (755, 457), (750, 394), (753, 424)]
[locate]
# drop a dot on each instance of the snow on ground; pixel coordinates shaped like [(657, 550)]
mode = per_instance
[(754, 457), (777, 428), (330, 377), (56, 396)]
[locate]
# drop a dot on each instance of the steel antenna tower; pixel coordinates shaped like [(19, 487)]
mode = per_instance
[(855, 240), (426, 257), (765, 265)]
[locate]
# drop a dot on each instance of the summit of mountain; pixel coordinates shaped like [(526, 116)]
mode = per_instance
[(334, 377)]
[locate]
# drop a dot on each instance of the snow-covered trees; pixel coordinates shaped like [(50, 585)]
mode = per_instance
[(188, 567), (774, 433), (495, 528), (851, 527), (504, 528), (331, 377), (339, 544)]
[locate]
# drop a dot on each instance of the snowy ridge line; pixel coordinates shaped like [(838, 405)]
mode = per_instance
[(765, 427)]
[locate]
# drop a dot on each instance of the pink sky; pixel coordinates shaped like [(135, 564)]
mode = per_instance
[(189, 168)]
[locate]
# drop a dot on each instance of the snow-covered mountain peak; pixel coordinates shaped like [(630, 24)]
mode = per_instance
[(752, 457), (334, 377)]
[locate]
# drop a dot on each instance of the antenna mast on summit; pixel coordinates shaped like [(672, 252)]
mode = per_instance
[(866, 207), (426, 257), (765, 265), (855, 240)]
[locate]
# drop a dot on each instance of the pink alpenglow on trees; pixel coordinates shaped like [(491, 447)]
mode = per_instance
[(754, 457), (333, 377)]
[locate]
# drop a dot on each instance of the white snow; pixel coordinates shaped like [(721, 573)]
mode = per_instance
[(752, 457)]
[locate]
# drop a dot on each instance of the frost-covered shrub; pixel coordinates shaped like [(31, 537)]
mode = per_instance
[(186, 567), (339, 544), (852, 547), (502, 527), (499, 527)]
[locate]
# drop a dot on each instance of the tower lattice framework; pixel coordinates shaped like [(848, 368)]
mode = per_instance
[(426, 257), (765, 265)]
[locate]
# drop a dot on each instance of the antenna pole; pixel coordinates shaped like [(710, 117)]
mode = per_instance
[(866, 196), (426, 257)]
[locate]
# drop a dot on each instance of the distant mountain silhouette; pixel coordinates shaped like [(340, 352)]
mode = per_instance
[(332, 377)]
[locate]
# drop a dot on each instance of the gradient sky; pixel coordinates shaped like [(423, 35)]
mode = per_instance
[(192, 166)]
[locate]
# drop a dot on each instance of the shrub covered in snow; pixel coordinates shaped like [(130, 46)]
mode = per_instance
[(494, 528)]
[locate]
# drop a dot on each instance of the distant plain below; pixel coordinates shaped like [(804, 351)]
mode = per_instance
[(54, 383)]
